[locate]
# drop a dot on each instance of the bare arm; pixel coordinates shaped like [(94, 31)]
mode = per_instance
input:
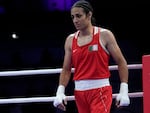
[(66, 69), (61, 100), (115, 52), (111, 45)]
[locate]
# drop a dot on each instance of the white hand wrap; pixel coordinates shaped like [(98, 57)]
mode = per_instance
[(123, 97), (60, 96)]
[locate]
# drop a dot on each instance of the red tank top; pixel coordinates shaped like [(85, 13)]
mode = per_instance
[(91, 60)]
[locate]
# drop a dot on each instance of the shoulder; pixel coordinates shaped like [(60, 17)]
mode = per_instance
[(106, 34), (70, 37), (68, 42), (106, 37), (105, 31)]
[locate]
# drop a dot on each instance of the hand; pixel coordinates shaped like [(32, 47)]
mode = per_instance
[(122, 98), (60, 100)]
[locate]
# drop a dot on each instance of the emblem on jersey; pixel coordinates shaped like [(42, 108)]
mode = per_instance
[(93, 47)]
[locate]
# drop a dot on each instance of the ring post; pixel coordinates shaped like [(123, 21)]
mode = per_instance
[(146, 83)]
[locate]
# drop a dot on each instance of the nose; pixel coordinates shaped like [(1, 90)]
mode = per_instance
[(75, 20)]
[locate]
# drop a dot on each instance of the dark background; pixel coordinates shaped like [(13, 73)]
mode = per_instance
[(42, 26)]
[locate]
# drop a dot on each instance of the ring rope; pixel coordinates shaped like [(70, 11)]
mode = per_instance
[(51, 71), (51, 99), (58, 70)]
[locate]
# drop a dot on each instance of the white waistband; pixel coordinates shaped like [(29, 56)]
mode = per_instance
[(91, 84)]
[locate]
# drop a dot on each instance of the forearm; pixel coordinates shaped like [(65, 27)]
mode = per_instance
[(123, 98), (60, 100), (123, 72), (64, 77)]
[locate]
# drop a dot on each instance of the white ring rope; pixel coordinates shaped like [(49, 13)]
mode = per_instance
[(52, 71), (51, 99)]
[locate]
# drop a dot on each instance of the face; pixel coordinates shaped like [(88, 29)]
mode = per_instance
[(80, 19)]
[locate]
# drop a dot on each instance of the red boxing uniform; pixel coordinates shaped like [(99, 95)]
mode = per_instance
[(91, 63), (91, 60)]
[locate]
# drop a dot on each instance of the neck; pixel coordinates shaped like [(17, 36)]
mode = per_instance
[(87, 31)]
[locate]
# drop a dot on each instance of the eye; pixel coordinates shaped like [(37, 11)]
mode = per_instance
[(72, 16), (78, 15)]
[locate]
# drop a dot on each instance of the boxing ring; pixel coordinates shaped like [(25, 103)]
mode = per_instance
[(145, 94)]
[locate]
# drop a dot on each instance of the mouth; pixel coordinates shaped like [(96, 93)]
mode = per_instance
[(77, 26)]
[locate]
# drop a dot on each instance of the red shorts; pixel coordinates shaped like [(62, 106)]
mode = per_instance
[(97, 100)]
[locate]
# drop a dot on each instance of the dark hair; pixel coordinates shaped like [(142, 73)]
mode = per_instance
[(87, 7)]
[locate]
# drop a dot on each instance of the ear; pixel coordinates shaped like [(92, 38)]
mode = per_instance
[(90, 15)]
